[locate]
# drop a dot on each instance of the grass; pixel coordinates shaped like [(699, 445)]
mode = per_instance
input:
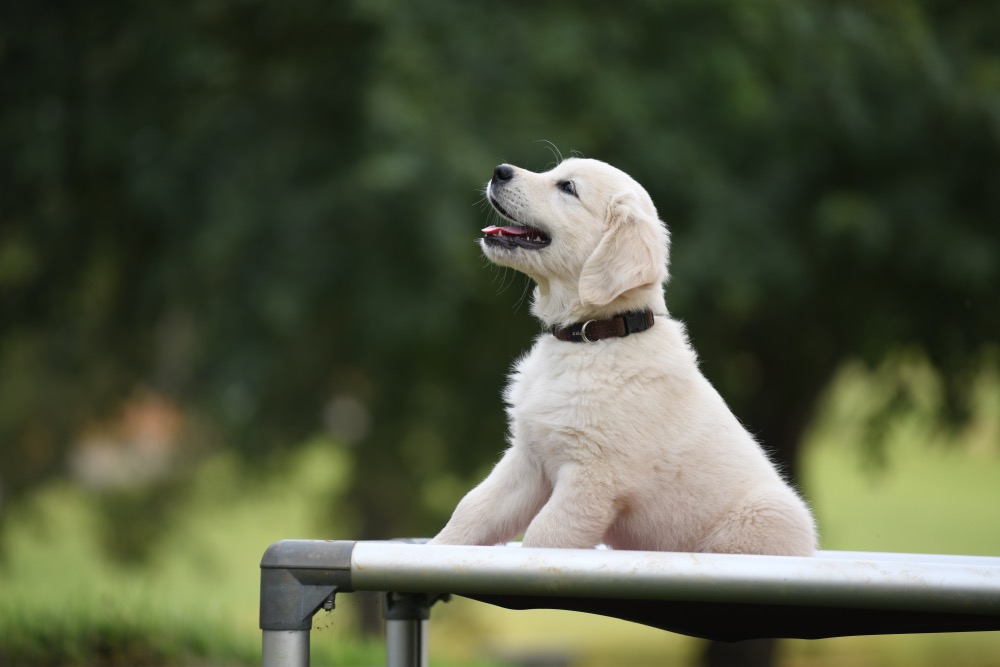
[(63, 602)]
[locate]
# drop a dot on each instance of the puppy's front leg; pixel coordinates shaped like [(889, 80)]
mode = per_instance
[(501, 506), (577, 515)]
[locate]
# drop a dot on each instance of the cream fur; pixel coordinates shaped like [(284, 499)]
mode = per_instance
[(622, 441)]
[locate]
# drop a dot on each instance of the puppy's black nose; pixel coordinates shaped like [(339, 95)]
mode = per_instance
[(503, 172)]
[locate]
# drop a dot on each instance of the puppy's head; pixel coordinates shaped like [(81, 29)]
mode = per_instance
[(583, 227)]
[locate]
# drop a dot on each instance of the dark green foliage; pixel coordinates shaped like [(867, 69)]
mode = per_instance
[(118, 641)]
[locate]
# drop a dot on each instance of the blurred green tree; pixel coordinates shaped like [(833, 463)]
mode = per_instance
[(169, 179), (266, 212)]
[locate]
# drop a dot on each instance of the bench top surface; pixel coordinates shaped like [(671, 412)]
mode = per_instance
[(717, 596)]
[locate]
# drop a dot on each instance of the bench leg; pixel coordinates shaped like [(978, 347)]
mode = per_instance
[(406, 620), (285, 648)]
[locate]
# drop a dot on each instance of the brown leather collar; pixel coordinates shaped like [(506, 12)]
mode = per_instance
[(618, 326)]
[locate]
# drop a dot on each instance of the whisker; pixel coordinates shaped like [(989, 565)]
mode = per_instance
[(503, 284), (556, 153), (524, 293), (500, 274)]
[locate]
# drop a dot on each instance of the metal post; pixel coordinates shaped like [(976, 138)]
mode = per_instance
[(406, 642), (285, 648), (406, 621), (297, 578)]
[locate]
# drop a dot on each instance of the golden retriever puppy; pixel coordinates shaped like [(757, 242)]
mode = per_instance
[(615, 435)]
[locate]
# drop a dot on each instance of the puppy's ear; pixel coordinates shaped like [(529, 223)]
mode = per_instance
[(632, 253)]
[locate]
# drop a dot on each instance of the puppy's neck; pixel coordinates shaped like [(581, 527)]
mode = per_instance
[(556, 305)]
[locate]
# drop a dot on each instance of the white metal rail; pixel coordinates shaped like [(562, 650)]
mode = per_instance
[(717, 596)]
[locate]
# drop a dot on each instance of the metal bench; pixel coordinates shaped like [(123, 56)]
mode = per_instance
[(714, 596)]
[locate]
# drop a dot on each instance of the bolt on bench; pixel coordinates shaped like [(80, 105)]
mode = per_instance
[(713, 596)]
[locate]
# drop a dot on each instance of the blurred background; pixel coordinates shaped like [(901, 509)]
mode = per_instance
[(241, 300)]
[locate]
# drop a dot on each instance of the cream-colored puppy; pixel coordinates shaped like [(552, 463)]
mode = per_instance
[(615, 435)]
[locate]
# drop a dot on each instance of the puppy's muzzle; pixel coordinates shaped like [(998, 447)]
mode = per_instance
[(514, 236)]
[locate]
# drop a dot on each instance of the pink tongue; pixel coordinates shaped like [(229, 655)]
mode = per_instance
[(514, 231)]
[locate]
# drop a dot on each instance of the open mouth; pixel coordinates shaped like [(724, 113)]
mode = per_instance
[(516, 236)]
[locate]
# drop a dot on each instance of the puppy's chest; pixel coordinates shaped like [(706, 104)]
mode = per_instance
[(558, 403)]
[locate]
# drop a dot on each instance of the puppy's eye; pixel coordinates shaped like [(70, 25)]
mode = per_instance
[(567, 186)]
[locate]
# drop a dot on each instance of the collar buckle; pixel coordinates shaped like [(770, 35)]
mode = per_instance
[(636, 321), (619, 326)]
